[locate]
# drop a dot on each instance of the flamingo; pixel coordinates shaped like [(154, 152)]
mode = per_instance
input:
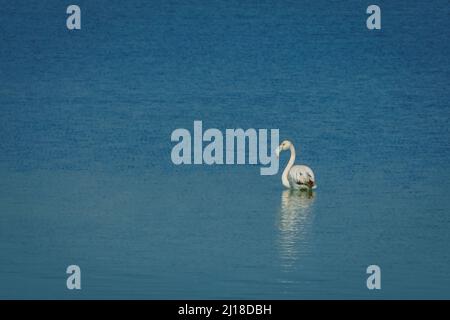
[(298, 176)]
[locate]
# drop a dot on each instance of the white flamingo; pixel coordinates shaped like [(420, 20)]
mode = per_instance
[(295, 177)]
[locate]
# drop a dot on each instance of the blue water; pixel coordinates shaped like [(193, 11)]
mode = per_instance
[(86, 176)]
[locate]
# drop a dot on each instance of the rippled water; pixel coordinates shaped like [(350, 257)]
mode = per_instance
[(86, 176)]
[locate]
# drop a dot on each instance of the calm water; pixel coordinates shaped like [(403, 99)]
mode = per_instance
[(85, 170)]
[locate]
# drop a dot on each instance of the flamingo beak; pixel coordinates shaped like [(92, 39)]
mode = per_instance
[(277, 152)]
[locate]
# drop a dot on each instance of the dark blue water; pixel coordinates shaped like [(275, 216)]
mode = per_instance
[(86, 176)]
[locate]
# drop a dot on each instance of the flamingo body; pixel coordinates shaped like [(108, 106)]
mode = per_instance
[(301, 177)]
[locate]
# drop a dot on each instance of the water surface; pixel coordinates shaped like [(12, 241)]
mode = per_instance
[(86, 176)]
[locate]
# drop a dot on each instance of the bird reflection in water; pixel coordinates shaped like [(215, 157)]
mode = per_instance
[(294, 221)]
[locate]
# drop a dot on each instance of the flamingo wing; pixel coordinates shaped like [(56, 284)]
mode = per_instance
[(301, 176)]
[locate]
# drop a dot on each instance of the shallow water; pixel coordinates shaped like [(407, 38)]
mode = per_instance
[(86, 176)]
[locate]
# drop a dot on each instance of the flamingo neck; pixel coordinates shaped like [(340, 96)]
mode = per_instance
[(284, 177)]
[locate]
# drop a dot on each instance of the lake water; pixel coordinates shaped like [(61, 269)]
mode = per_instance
[(86, 176)]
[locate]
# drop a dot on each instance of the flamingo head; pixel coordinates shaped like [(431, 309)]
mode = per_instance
[(285, 145)]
